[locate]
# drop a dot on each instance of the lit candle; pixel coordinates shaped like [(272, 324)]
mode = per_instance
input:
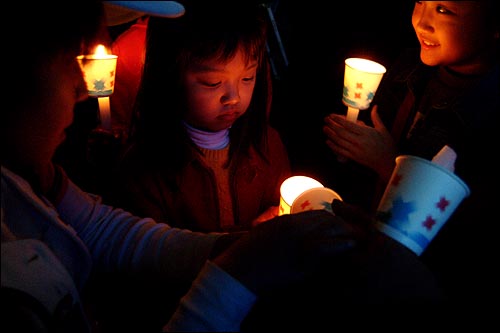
[(105, 112), (352, 114), (291, 188), (99, 71), (361, 80)]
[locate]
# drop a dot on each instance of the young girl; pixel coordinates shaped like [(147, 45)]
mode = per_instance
[(203, 154), (447, 93)]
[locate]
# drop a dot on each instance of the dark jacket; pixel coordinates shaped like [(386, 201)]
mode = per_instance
[(463, 113)]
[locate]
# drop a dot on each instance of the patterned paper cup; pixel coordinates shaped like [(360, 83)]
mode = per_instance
[(418, 200), (361, 80), (291, 188), (315, 198), (99, 72)]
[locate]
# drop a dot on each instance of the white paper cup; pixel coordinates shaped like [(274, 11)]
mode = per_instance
[(291, 188), (315, 199), (418, 200), (361, 80), (99, 72)]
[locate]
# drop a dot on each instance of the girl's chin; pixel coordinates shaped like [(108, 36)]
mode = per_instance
[(428, 60)]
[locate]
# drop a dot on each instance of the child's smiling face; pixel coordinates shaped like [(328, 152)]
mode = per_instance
[(453, 34)]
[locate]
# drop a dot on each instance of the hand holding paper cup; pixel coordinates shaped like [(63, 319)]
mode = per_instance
[(361, 80), (419, 199)]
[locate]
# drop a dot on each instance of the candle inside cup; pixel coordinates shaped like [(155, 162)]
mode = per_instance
[(352, 114), (99, 71), (105, 112), (291, 188), (361, 80)]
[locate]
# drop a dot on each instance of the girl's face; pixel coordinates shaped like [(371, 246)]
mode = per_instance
[(218, 93), (452, 34)]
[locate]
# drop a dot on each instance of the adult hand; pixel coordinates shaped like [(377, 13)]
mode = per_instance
[(282, 251), (370, 146)]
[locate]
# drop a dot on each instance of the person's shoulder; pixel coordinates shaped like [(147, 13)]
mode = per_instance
[(272, 132)]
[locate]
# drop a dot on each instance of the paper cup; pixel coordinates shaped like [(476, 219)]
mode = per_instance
[(99, 72), (418, 200), (291, 188), (361, 80), (314, 199)]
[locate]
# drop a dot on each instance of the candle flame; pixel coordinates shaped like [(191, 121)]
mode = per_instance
[(100, 50)]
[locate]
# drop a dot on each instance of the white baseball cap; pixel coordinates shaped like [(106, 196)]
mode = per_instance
[(120, 12)]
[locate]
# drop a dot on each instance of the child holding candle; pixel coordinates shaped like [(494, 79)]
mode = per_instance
[(55, 238), (447, 94), (203, 154)]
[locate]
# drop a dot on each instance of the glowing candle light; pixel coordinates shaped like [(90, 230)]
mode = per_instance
[(361, 80), (291, 188), (99, 72)]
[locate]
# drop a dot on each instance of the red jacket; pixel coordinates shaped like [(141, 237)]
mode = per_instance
[(187, 197)]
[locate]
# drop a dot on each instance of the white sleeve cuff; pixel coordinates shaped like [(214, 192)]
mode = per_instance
[(215, 302)]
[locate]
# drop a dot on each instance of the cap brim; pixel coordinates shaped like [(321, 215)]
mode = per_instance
[(119, 12)]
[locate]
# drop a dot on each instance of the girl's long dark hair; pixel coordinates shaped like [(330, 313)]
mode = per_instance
[(207, 30)]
